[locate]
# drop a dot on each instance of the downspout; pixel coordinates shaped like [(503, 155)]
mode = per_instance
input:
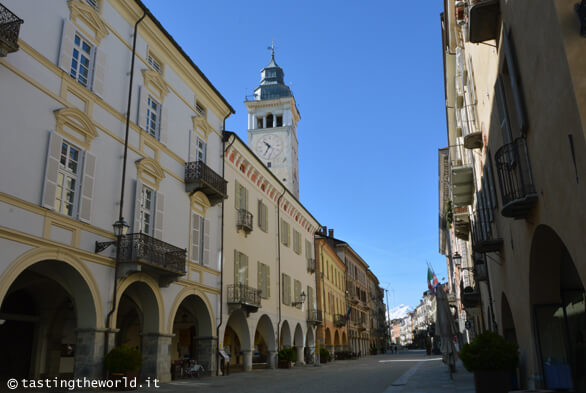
[(279, 265), (120, 217), (225, 149)]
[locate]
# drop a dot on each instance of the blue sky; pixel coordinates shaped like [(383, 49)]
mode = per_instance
[(368, 82)]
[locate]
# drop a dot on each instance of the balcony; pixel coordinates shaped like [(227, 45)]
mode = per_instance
[(9, 29), (140, 252), (515, 179), (480, 271), (311, 265), (339, 320), (246, 297), (200, 177), (483, 20), (483, 239), (244, 220), (314, 317), (470, 297), (461, 223), (462, 181)]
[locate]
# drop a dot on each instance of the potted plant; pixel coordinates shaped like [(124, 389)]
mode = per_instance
[(123, 361), (287, 356), (324, 355), (493, 360)]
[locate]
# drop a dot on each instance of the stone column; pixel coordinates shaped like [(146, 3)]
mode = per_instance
[(300, 356), (272, 359), (247, 359), (89, 353), (156, 356), (206, 353)]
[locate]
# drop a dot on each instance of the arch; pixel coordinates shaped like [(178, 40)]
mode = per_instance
[(328, 337), (336, 339), (310, 338), (181, 296), (344, 339), (237, 322), (285, 338), (157, 321), (269, 120), (76, 279), (299, 336), (265, 328), (508, 322), (73, 119)]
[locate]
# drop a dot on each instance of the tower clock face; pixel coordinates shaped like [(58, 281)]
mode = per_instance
[(269, 146)]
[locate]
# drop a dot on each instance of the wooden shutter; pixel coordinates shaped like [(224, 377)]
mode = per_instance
[(236, 267), (244, 267), (192, 146), (163, 124), (142, 107), (51, 169), (268, 280), (260, 215), (206, 241), (259, 279), (99, 71), (195, 225), (66, 50), (503, 112), (160, 206), (515, 81), (87, 187), (296, 290), (137, 205), (236, 194)]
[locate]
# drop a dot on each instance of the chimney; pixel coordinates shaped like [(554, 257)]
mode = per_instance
[(331, 233), (324, 230)]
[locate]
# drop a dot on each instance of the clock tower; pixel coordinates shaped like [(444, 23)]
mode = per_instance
[(272, 125)]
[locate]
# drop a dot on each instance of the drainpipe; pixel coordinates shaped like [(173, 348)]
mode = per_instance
[(279, 264), (120, 218), (225, 149)]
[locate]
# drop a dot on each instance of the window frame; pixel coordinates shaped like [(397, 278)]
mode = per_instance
[(77, 47), (152, 210), (149, 113), (65, 172)]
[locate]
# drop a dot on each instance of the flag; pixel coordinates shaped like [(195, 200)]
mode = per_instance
[(432, 280)]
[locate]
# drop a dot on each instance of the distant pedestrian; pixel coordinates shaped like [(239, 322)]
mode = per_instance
[(396, 349)]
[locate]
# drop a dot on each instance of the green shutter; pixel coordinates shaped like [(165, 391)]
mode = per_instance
[(236, 266), (259, 278), (236, 194), (244, 262), (268, 280)]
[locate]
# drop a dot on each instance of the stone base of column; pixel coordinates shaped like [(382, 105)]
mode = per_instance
[(272, 360), (89, 353), (247, 359), (300, 357), (206, 353), (156, 357)]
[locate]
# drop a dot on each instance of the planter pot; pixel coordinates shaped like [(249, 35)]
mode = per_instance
[(492, 381), (285, 364)]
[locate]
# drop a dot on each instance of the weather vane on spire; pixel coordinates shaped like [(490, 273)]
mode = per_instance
[(272, 49)]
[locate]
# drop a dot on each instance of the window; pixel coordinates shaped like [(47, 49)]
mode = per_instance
[(67, 180), (93, 4), (297, 293), (155, 63), (263, 221), (240, 268), (241, 197), (200, 150), (81, 61), (308, 250), (146, 212), (269, 120), (259, 122), (200, 109), (286, 289), (153, 114), (310, 298), (296, 242), (264, 280), (279, 120), (200, 239), (285, 233)]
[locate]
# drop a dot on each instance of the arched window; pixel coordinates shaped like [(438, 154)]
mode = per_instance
[(270, 120)]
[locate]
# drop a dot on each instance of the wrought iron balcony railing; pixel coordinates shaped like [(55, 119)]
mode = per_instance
[(200, 177), (146, 250), (470, 297), (339, 320), (483, 238), (480, 271), (311, 265), (9, 30), (244, 220), (314, 317), (515, 179), (244, 295), (483, 20)]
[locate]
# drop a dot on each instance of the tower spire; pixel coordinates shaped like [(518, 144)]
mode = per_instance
[(272, 49)]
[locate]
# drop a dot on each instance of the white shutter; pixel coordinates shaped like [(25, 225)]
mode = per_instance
[(267, 275), (137, 205), (160, 205), (192, 146), (87, 187), (515, 81), (195, 237), (206, 241), (259, 279), (66, 51), (99, 71), (236, 194), (142, 107), (244, 267), (236, 267), (163, 125), (51, 168)]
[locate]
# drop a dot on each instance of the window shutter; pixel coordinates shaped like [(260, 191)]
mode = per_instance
[(266, 217), (137, 203), (260, 220), (244, 267), (87, 187), (51, 168), (515, 81), (192, 146), (296, 290), (142, 107), (99, 71), (236, 267), (206, 241), (502, 108), (159, 205), (268, 280), (259, 278), (66, 51), (195, 237), (236, 194), (163, 125)]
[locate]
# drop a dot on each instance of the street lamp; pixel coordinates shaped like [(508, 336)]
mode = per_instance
[(457, 258), (120, 230), (301, 298)]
